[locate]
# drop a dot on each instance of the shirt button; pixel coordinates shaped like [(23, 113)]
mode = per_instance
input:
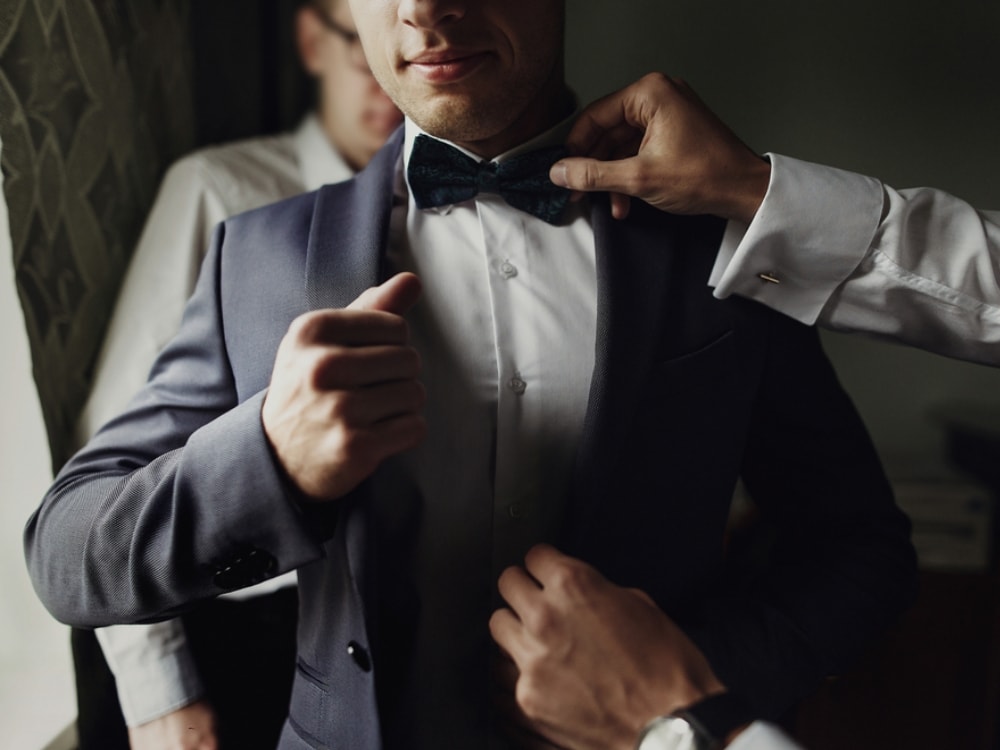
[(516, 385), (508, 270), (517, 510)]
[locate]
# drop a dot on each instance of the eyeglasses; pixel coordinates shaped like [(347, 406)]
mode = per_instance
[(354, 49)]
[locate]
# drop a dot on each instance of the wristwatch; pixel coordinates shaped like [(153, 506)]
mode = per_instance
[(701, 726)]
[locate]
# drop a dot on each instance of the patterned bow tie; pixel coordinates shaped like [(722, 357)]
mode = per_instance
[(441, 175)]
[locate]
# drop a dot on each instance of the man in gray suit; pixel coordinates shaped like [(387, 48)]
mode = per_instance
[(582, 386)]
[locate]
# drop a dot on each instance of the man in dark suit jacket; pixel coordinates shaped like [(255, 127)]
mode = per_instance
[(285, 426)]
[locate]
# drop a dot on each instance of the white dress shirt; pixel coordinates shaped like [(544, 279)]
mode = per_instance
[(761, 735), (153, 668), (836, 248), (506, 329)]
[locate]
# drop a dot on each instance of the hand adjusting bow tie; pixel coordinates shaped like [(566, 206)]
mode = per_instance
[(441, 175)]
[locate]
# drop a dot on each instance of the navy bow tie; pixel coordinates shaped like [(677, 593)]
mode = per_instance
[(441, 175)]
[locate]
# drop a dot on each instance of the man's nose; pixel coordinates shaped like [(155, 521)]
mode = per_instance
[(430, 14)]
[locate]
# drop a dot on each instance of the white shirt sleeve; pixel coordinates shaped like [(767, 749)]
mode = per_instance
[(845, 251), (763, 736), (154, 291), (154, 671)]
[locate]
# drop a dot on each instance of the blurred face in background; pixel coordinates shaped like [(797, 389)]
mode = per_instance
[(355, 113), (487, 74)]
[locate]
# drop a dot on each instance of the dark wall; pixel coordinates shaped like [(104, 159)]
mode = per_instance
[(247, 77)]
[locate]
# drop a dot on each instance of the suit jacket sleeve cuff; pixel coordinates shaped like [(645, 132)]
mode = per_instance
[(254, 509)]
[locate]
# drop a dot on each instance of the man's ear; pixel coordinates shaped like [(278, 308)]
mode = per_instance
[(309, 38)]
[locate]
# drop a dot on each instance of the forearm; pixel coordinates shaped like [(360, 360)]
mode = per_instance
[(931, 278), (118, 543), (842, 250), (170, 494), (842, 567)]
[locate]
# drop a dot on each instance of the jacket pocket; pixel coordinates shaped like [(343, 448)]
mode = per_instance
[(309, 710), (292, 739), (721, 346)]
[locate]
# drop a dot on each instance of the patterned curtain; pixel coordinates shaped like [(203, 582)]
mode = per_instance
[(96, 99)]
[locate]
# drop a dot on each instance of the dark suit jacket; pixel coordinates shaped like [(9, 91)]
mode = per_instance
[(180, 498)]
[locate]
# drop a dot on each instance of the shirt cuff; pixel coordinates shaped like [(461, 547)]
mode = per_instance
[(153, 668), (812, 230), (761, 735)]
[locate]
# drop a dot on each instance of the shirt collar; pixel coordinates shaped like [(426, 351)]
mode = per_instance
[(319, 162)]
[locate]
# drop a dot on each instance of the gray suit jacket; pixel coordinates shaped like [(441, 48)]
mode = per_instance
[(180, 498)]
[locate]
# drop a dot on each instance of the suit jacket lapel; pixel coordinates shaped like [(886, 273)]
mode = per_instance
[(635, 259), (348, 241), (350, 230)]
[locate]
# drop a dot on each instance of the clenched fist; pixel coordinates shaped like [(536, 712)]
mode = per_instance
[(344, 394)]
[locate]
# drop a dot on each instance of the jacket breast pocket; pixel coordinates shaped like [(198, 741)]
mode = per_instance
[(697, 380), (692, 415), (706, 356)]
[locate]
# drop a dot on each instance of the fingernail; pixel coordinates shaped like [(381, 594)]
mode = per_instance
[(558, 174)]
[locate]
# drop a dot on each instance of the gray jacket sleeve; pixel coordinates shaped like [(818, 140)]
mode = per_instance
[(177, 500)]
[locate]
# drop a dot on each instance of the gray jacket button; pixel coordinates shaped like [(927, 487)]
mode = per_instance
[(360, 656)]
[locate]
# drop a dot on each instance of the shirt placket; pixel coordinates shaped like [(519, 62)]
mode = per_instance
[(508, 268)]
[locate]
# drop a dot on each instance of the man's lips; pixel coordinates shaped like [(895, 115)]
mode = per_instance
[(446, 66)]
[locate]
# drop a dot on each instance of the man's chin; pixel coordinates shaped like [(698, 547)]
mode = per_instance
[(457, 119)]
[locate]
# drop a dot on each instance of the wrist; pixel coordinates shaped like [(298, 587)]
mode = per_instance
[(749, 191)]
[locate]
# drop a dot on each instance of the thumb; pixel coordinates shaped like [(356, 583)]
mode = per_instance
[(395, 295), (589, 175)]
